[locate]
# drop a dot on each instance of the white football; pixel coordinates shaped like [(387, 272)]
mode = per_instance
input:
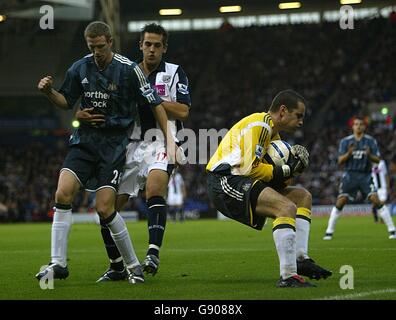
[(278, 153)]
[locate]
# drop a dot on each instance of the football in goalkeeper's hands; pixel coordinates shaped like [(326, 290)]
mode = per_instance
[(278, 153)]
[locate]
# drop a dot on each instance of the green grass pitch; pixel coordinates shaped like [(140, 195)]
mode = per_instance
[(203, 259)]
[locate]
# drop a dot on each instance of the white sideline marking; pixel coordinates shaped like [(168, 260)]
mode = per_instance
[(358, 295)]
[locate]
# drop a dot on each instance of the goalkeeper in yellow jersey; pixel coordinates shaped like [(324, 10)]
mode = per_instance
[(247, 190)]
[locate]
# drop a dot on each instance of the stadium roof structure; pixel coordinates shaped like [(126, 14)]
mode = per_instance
[(149, 9), (65, 9)]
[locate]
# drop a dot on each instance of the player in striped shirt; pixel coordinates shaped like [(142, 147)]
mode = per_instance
[(176, 196), (380, 176)]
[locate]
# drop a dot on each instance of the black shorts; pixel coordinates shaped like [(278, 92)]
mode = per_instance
[(236, 197), (99, 163)]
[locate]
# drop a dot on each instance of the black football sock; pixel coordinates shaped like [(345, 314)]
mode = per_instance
[(156, 223), (116, 261), (375, 214)]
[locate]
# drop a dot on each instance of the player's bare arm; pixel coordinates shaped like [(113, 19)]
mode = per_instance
[(372, 157), (162, 119), (176, 110), (45, 86)]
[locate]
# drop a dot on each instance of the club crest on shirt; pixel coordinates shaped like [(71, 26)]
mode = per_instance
[(246, 186), (112, 87), (166, 78)]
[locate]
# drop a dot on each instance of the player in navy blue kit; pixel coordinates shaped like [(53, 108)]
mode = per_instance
[(147, 164), (112, 85), (357, 152)]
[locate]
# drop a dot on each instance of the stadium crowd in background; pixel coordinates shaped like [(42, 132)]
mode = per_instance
[(339, 73)]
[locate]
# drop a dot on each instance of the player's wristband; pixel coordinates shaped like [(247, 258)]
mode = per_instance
[(281, 173), (286, 171)]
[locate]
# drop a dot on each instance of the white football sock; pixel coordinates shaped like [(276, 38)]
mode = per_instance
[(335, 214), (285, 243), (302, 236), (120, 235), (385, 215), (59, 236)]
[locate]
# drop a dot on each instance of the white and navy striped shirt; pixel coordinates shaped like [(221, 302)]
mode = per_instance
[(171, 84), (379, 173)]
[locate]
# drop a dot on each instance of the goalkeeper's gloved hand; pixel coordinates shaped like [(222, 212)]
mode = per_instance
[(298, 161), (303, 156)]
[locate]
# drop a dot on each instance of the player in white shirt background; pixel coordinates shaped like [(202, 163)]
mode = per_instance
[(380, 177), (176, 195)]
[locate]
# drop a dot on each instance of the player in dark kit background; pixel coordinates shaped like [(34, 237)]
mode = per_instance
[(113, 85), (357, 152)]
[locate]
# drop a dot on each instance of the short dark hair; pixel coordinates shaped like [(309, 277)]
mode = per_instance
[(358, 117), (98, 29), (288, 98), (362, 118), (157, 29)]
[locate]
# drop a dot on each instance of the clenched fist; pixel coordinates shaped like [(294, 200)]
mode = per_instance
[(45, 85)]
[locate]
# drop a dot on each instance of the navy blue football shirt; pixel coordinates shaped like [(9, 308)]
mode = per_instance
[(359, 160), (114, 91)]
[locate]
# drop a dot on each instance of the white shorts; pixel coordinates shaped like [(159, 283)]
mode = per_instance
[(141, 158), (175, 199), (382, 194)]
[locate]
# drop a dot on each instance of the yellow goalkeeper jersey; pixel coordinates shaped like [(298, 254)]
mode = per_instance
[(244, 146)]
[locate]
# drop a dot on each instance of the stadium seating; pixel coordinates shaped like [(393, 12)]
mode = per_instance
[(232, 73)]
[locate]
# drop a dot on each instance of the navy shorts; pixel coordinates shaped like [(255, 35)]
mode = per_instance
[(98, 163), (352, 182)]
